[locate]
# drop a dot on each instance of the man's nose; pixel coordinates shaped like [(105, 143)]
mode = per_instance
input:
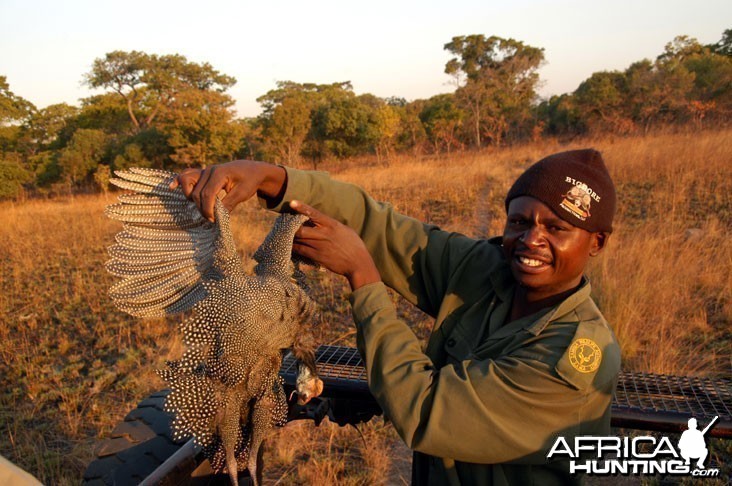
[(533, 236)]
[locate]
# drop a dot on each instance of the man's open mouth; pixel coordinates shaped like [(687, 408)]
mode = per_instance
[(531, 263)]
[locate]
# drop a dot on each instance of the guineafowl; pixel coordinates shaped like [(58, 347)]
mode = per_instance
[(225, 390)]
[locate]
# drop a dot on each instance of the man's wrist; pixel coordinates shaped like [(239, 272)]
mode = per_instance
[(274, 182), (362, 277)]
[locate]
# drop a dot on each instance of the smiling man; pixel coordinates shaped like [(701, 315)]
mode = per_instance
[(519, 353)]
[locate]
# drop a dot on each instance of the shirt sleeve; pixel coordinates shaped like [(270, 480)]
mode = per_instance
[(413, 258), (505, 410)]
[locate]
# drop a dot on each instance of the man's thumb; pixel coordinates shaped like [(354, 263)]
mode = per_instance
[(309, 211)]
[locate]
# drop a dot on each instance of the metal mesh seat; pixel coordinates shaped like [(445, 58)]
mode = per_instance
[(644, 401)]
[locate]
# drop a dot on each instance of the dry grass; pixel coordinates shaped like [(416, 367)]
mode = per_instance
[(71, 365)]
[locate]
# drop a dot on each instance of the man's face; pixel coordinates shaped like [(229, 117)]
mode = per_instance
[(547, 255)]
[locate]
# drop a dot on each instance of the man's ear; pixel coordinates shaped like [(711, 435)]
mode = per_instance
[(599, 241)]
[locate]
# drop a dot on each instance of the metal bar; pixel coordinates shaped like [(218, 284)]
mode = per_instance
[(177, 468)]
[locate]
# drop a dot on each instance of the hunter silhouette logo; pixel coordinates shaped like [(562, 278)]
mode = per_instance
[(585, 355), (692, 444)]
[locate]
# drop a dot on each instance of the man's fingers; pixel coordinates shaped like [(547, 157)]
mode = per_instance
[(209, 193), (305, 251), (187, 186), (186, 180), (200, 185), (310, 233), (234, 197), (315, 216)]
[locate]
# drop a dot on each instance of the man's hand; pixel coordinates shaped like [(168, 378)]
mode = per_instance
[(335, 246), (240, 179)]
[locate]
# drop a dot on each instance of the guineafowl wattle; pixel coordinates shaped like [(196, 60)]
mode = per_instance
[(225, 390)]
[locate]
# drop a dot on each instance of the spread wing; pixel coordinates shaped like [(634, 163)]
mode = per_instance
[(167, 251)]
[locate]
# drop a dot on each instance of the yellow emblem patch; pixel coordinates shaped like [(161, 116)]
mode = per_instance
[(585, 355)]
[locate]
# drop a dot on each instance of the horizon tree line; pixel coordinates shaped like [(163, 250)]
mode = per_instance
[(166, 112)]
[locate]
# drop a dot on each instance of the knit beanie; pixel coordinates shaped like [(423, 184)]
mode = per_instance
[(575, 185)]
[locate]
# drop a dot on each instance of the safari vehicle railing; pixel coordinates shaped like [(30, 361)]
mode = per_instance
[(643, 401)]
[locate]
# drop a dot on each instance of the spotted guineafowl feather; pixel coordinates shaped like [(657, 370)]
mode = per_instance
[(225, 390)]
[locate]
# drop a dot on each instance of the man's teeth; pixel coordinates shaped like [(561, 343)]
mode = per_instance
[(530, 262)]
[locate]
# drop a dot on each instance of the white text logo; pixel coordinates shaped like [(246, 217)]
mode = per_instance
[(637, 455)]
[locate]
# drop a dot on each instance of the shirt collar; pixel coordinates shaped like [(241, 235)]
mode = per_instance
[(563, 308)]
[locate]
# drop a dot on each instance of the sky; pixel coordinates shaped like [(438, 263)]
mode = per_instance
[(384, 47)]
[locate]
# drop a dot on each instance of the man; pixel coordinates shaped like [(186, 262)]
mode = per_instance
[(519, 354), (692, 444)]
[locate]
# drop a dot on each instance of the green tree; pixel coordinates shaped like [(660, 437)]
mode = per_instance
[(345, 124), (712, 77), (388, 120), (46, 168), (412, 134), (250, 142), (81, 157), (12, 178), (199, 128), (288, 127), (441, 119), (287, 119), (102, 176), (724, 46), (13, 108), (43, 128), (148, 83), (497, 80), (711, 71), (106, 112), (131, 155), (13, 111), (601, 101), (657, 92), (680, 49), (686, 81), (168, 101), (561, 116)]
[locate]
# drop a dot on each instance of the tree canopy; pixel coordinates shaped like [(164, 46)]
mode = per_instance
[(497, 80), (165, 111), (149, 83)]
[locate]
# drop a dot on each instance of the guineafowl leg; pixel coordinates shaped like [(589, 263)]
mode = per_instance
[(230, 430), (231, 467), (269, 410), (262, 422)]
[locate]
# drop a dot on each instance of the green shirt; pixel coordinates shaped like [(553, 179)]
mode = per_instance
[(486, 400)]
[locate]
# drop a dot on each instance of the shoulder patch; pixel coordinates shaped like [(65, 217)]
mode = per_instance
[(584, 355), (592, 357)]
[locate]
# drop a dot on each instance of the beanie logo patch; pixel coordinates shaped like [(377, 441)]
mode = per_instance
[(578, 199)]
